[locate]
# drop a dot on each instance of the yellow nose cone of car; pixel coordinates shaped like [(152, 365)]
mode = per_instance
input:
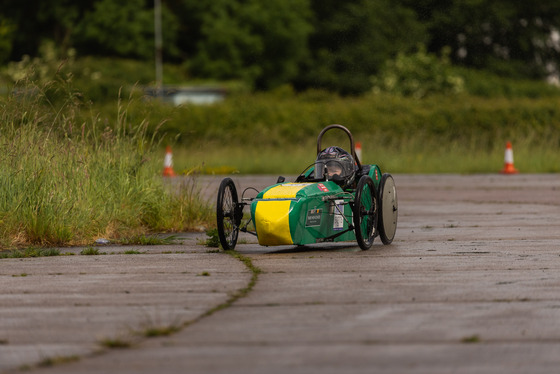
[(272, 215), (272, 219)]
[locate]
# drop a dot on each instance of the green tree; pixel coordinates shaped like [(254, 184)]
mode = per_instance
[(352, 39), (123, 28), (261, 42), (513, 38), (36, 21), (7, 29), (99, 27)]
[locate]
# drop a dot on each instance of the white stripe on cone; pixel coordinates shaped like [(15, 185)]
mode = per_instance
[(168, 163)]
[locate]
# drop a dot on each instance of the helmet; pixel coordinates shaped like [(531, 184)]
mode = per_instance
[(337, 164)]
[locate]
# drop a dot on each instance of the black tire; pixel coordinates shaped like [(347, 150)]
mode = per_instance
[(365, 212), (388, 209), (227, 214)]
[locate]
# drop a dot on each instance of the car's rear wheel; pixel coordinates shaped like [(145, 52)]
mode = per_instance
[(227, 214), (365, 212), (388, 208)]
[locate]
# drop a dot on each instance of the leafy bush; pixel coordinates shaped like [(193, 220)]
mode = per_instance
[(418, 75), (96, 79)]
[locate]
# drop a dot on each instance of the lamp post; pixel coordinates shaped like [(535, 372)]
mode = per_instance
[(158, 47)]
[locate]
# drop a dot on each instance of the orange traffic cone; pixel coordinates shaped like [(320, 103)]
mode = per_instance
[(168, 163), (508, 161), (359, 151)]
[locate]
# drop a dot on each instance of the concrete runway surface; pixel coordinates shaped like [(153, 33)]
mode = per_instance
[(471, 284)]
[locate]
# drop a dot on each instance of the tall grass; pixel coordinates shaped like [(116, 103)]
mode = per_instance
[(68, 175)]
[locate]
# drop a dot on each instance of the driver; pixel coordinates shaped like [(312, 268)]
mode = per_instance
[(336, 164), (333, 168)]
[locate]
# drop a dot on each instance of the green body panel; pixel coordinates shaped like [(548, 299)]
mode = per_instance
[(375, 173), (313, 218)]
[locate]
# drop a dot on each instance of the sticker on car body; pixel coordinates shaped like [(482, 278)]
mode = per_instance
[(338, 217), (313, 218)]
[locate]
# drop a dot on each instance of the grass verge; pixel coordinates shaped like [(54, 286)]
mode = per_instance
[(410, 155), (30, 252)]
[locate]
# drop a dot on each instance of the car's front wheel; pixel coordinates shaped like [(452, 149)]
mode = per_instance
[(226, 214), (365, 212)]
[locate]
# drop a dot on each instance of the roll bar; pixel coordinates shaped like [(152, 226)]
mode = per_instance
[(352, 146)]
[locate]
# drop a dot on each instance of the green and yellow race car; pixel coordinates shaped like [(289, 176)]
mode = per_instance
[(335, 199)]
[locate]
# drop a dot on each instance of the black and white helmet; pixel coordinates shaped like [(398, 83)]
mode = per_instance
[(337, 165)]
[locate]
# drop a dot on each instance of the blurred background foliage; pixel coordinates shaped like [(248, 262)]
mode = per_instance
[(308, 44), (405, 75)]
